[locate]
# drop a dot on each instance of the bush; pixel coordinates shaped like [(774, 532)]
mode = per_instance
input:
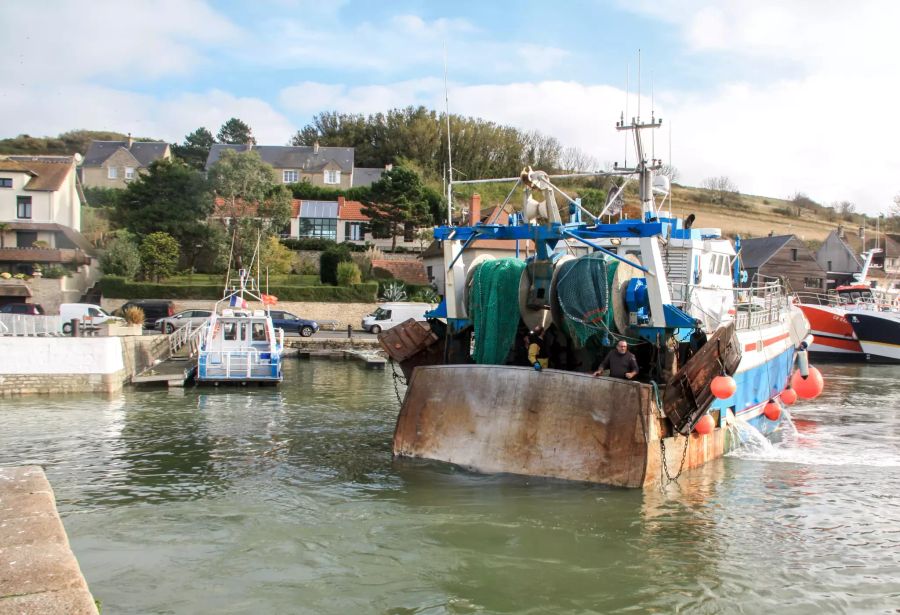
[(784, 211), (159, 255), (312, 244), (348, 273), (121, 257), (328, 263), (393, 291), (134, 315), (276, 257), (118, 288), (55, 272)]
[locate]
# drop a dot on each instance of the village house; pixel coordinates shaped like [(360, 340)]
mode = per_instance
[(841, 255), (40, 224), (784, 257), (112, 164)]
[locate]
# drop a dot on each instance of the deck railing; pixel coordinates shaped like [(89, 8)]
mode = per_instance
[(763, 303), (28, 325)]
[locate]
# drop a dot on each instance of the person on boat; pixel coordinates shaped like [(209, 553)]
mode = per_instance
[(538, 352), (619, 362)]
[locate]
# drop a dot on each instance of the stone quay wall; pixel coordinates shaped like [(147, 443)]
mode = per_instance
[(38, 571)]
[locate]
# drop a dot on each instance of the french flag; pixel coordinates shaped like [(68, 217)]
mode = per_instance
[(238, 302)]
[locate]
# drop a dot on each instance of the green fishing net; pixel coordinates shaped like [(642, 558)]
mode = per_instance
[(583, 289), (494, 309)]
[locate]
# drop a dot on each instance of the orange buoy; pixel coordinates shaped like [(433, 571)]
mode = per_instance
[(788, 396), (705, 425), (723, 386), (772, 410), (809, 387)]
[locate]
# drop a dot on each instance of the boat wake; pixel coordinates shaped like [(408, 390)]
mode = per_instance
[(797, 448)]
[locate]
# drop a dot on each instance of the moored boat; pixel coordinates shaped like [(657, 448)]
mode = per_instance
[(656, 282), (878, 330)]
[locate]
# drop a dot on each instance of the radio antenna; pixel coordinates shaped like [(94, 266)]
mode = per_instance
[(626, 118), (449, 151)]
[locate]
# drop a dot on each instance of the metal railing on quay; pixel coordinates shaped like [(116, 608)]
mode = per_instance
[(28, 325)]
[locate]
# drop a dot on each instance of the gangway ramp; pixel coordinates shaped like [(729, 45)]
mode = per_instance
[(180, 364)]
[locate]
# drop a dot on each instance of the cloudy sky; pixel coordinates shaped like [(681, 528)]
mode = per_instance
[(779, 96)]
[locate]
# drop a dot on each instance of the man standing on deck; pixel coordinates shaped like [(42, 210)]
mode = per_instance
[(537, 349), (620, 363)]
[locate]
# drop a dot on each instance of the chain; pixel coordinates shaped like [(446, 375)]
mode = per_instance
[(669, 477), (397, 377)]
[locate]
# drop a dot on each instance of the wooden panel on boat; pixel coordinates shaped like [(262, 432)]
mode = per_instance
[(503, 419), (406, 339), (687, 395)]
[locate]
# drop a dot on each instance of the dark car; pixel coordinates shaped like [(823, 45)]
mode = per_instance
[(22, 308), (154, 309), (291, 322)]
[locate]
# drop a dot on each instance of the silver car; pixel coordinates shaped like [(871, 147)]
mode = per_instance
[(197, 318)]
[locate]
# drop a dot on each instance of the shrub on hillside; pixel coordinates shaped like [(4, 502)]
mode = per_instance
[(328, 263), (121, 257), (784, 211), (159, 255), (348, 273)]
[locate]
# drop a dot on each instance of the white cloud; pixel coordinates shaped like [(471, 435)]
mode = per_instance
[(50, 111), (106, 38)]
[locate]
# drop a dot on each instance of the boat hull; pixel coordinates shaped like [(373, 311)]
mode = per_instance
[(878, 333), (550, 423), (832, 332)]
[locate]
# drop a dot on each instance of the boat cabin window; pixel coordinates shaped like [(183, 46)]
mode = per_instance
[(230, 331), (259, 332), (382, 314)]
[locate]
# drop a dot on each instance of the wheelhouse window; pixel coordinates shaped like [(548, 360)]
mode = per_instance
[(23, 207), (332, 177), (258, 333), (290, 177), (323, 228), (112, 173), (5, 182)]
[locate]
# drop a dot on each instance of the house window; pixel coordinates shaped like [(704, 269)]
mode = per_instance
[(332, 177), (112, 173), (430, 272), (23, 207), (812, 283), (323, 228), (353, 231), (290, 177), (830, 268), (794, 254), (129, 172), (5, 182)]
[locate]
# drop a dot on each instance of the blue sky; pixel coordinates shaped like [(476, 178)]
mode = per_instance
[(769, 93)]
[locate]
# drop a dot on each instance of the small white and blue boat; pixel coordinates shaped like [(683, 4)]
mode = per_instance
[(240, 345)]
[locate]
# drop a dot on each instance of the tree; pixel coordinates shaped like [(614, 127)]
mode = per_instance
[(195, 149), (171, 198), (275, 257), (669, 171), (396, 201), (253, 201), (159, 256), (121, 256), (235, 132), (721, 187), (329, 261)]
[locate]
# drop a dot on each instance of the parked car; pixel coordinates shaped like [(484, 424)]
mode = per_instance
[(89, 314), (392, 314), (291, 322), (197, 318), (32, 309), (154, 309)]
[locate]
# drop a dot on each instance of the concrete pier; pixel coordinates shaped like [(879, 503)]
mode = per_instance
[(38, 571)]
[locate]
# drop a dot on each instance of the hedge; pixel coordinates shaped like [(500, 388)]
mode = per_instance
[(120, 288), (314, 244)]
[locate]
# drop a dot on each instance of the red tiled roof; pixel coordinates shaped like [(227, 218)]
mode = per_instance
[(352, 210), (411, 272)]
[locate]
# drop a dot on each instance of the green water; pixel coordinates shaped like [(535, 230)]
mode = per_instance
[(287, 501)]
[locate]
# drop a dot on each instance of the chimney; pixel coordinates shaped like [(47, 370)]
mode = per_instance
[(316, 147), (475, 210), (130, 141)]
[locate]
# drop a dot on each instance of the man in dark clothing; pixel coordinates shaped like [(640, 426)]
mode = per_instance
[(620, 363)]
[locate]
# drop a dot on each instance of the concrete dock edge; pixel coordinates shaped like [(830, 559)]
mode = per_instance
[(38, 571)]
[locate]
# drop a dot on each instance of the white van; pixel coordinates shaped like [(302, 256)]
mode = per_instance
[(89, 314), (392, 314)]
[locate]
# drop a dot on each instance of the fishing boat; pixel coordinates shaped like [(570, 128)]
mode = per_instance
[(877, 327), (711, 354), (240, 345), (833, 334)]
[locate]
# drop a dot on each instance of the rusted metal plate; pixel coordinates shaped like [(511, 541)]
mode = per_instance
[(406, 339), (700, 450), (687, 395), (503, 419)]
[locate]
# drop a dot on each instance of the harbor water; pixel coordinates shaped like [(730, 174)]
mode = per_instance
[(286, 500)]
